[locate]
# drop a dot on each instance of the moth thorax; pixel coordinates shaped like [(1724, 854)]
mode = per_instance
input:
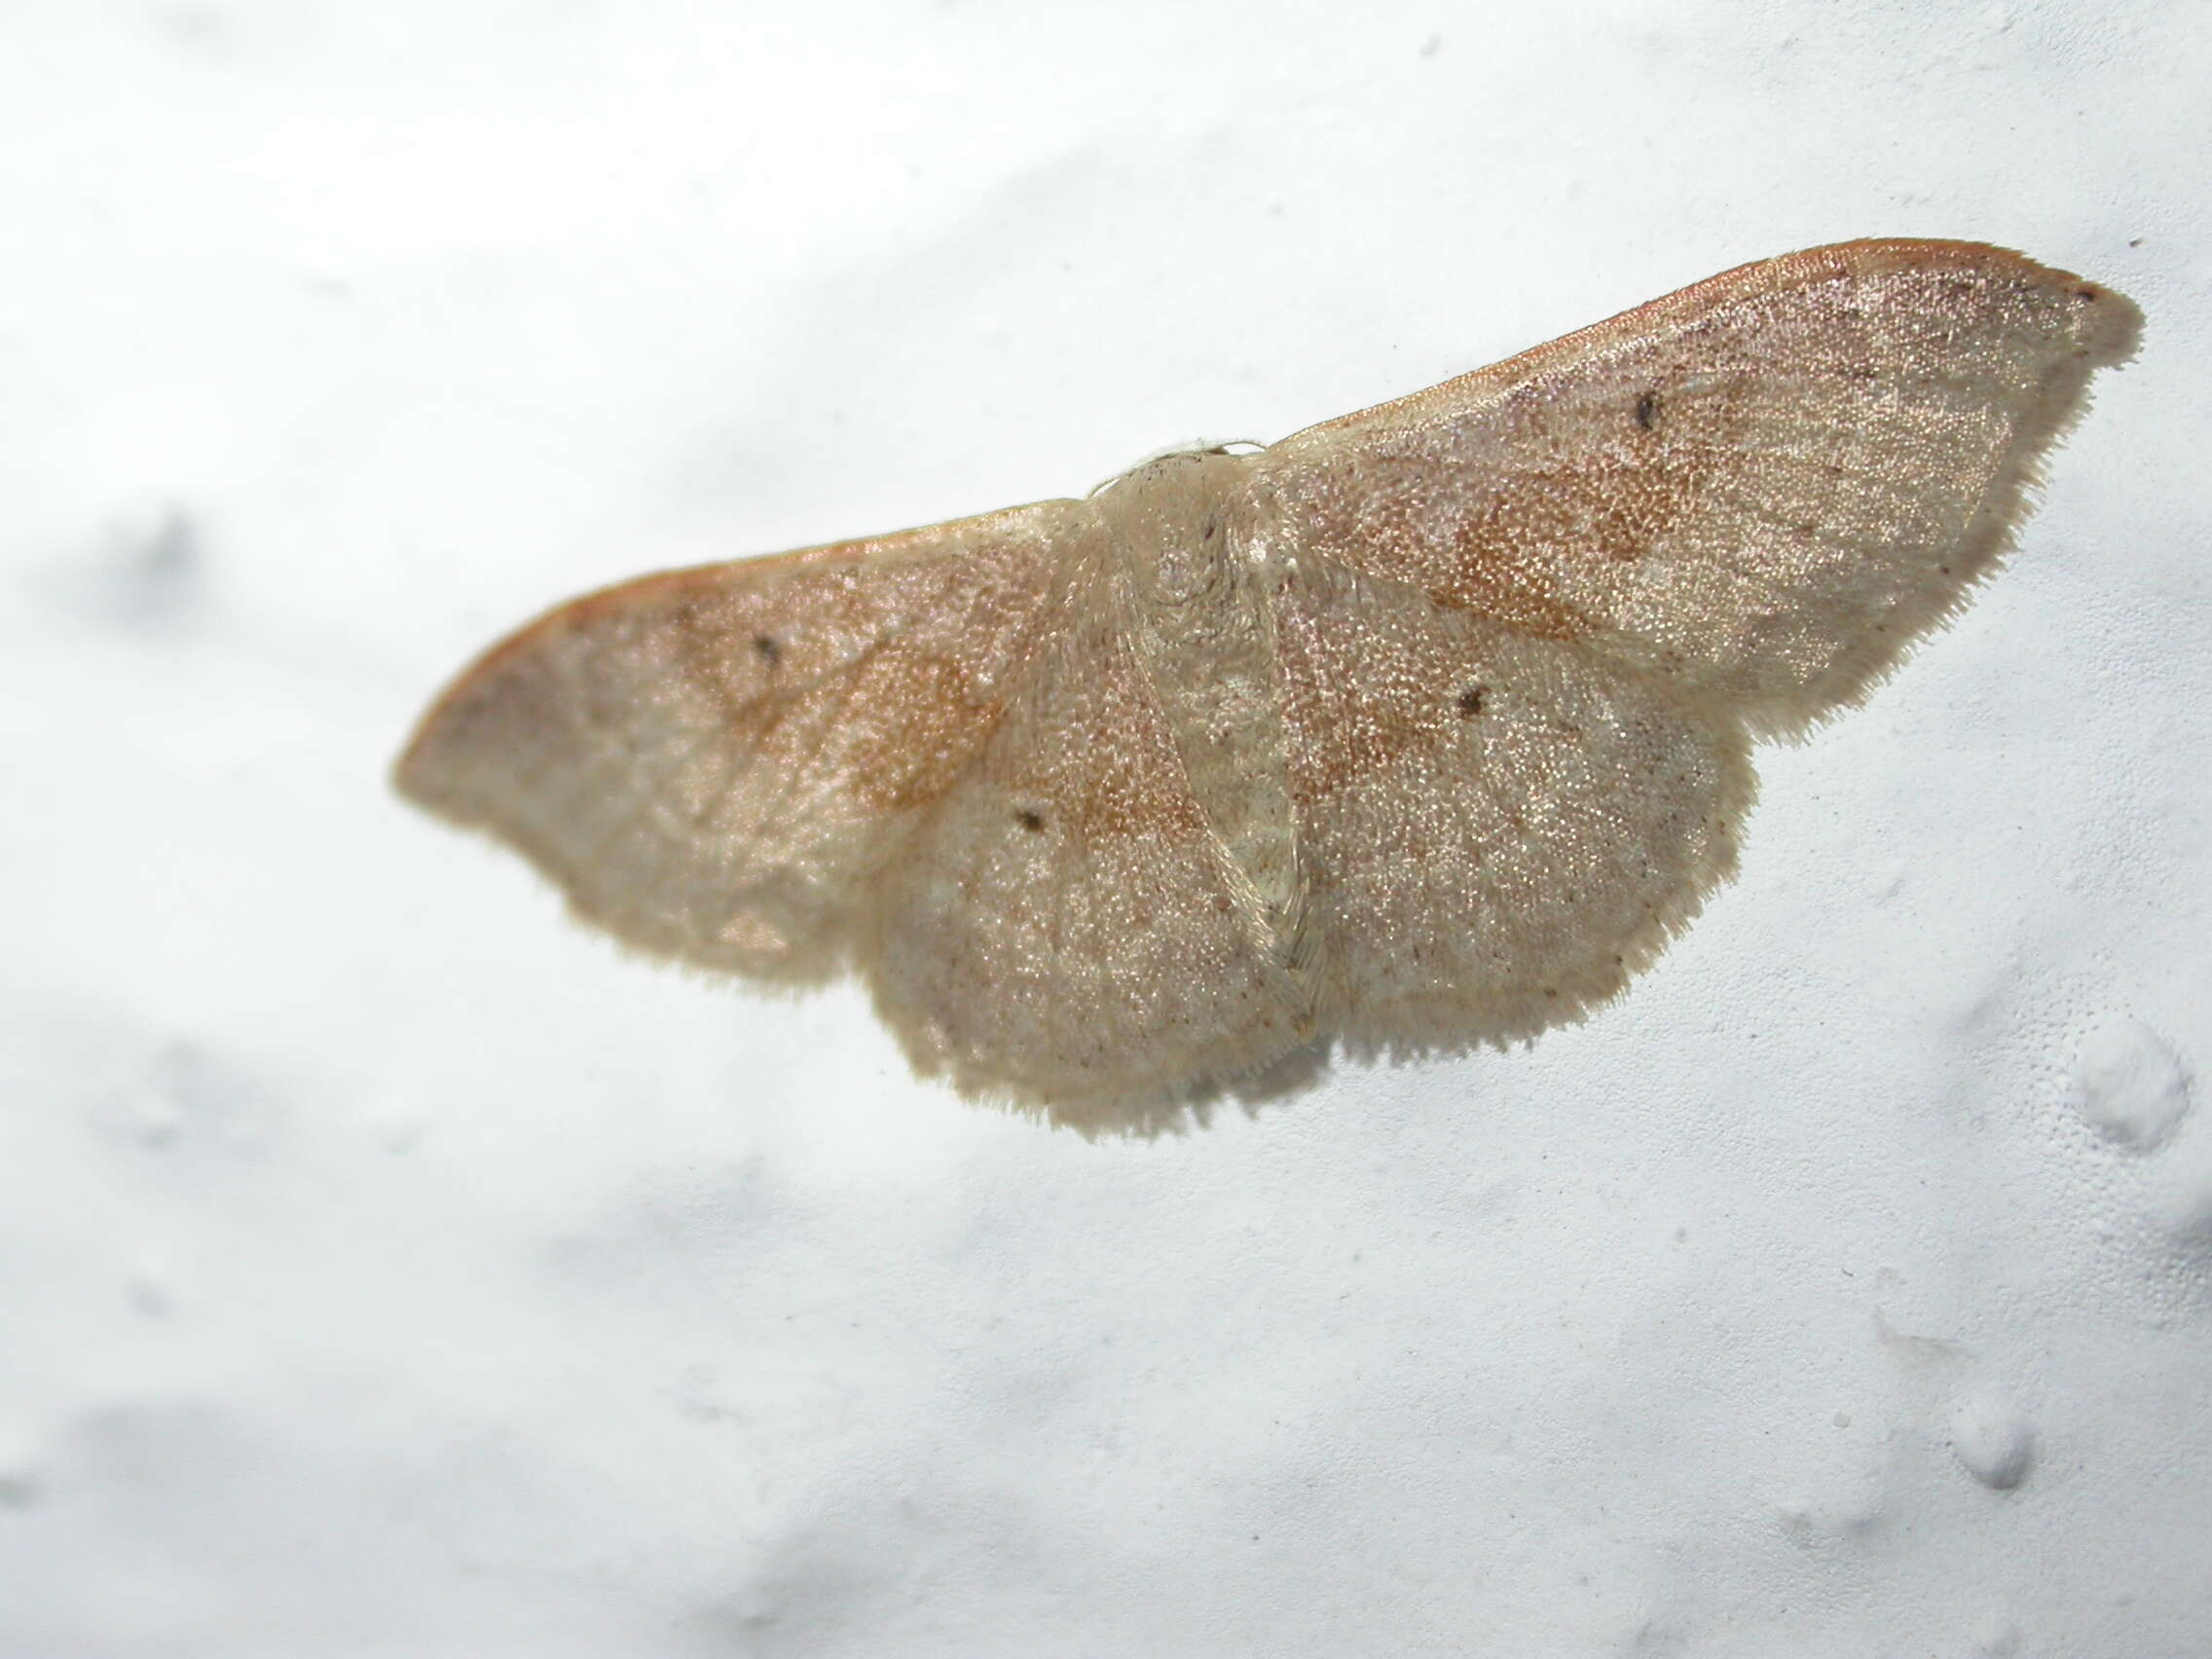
[(1179, 523)]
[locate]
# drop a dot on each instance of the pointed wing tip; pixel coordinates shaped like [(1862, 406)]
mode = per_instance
[(2112, 322), (2115, 325), (431, 768), (422, 772), (414, 773), (453, 760)]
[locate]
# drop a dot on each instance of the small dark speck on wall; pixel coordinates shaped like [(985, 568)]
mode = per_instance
[(149, 576)]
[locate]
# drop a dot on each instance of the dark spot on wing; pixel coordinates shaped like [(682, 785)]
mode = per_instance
[(1647, 411), (1470, 701), (1029, 818), (767, 649)]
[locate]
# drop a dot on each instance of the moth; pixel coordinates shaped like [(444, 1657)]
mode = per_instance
[(1426, 727)]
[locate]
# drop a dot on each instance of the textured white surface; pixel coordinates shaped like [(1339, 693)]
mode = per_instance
[(388, 1265)]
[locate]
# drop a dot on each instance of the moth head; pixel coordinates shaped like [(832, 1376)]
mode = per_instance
[(1174, 458)]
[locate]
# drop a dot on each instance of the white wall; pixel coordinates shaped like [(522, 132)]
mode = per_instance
[(388, 1265)]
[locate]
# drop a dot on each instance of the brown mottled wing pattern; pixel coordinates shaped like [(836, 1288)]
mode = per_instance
[(1497, 830), (1533, 613), (1064, 929), (1762, 487), (714, 762)]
